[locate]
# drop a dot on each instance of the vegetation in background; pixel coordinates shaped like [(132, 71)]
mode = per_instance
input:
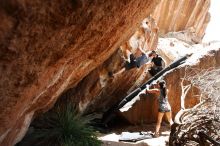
[(61, 127), (200, 125)]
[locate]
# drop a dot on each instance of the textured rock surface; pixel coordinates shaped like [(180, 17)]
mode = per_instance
[(102, 91), (49, 46), (189, 15), (97, 92)]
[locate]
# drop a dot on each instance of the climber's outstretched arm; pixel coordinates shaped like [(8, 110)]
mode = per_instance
[(141, 48)]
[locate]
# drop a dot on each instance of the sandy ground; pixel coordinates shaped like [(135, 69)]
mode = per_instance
[(112, 138)]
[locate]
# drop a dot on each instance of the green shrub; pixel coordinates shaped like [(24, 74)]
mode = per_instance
[(62, 127)]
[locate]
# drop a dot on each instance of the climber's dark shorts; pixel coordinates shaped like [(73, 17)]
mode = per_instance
[(136, 62), (163, 110), (131, 64)]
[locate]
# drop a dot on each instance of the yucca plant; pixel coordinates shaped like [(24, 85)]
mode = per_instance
[(62, 127)]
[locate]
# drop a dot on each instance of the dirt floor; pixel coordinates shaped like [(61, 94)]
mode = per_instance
[(112, 138)]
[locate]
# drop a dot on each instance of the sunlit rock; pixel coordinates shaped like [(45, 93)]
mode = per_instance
[(189, 16), (48, 47)]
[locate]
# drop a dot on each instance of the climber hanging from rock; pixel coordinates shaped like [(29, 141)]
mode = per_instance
[(136, 60)]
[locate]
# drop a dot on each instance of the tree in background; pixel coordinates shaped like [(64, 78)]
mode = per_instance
[(199, 125)]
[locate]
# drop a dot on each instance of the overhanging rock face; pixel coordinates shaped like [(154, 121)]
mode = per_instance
[(193, 26), (98, 91), (49, 46)]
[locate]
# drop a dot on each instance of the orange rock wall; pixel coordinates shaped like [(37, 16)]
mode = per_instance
[(49, 46), (168, 16), (98, 91), (174, 15)]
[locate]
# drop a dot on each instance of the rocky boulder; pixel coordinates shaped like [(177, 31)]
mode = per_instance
[(49, 46)]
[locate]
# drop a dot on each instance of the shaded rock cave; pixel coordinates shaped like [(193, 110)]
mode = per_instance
[(58, 52)]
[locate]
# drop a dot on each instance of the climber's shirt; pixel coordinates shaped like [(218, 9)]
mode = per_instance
[(143, 59)]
